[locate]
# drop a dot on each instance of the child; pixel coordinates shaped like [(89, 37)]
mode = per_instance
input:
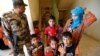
[(36, 29), (67, 48), (51, 50), (51, 30), (36, 48)]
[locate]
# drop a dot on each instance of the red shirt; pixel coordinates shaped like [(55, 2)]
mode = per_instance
[(1, 33), (37, 32), (50, 52), (51, 31)]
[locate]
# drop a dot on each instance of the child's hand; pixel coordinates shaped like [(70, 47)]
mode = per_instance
[(61, 50)]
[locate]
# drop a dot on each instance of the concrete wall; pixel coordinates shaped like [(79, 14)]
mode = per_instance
[(94, 7), (34, 9), (55, 11), (5, 6)]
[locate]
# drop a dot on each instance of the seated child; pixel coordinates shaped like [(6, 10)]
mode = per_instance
[(36, 48), (67, 48), (51, 50)]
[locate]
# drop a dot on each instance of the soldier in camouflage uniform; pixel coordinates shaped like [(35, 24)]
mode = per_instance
[(16, 27)]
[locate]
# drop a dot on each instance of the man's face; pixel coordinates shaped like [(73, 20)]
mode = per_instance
[(21, 9), (74, 16), (51, 22), (67, 40), (53, 44)]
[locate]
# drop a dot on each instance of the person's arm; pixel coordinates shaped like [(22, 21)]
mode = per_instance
[(6, 26), (67, 24), (61, 50), (77, 51), (7, 30), (89, 18), (28, 28)]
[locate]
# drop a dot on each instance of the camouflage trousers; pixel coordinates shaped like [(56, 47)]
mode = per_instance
[(19, 48)]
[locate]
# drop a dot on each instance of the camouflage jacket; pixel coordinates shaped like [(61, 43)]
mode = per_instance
[(15, 25)]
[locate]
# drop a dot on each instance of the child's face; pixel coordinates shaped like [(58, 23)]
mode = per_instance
[(67, 40), (34, 41), (51, 22), (53, 44)]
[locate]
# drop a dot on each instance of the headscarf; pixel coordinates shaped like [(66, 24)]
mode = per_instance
[(78, 11)]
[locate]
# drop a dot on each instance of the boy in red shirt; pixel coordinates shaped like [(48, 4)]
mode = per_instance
[(51, 31)]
